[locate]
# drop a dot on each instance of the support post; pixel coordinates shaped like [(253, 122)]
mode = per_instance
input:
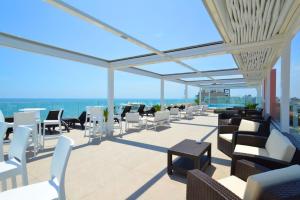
[(110, 100), (285, 89), (200, 96), (268, 93), (186, 93), (162, 93), (259, 95)]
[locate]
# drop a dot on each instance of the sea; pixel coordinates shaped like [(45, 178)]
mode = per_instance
[(73, 107)]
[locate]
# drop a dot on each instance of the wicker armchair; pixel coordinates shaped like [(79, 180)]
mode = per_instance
[(264, 160), (225, 133), (274, 184)]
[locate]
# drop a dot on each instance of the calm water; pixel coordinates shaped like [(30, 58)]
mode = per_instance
[(72, 107)]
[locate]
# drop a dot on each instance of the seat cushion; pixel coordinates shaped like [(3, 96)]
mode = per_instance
[(39, 191), (279, 147), (234, 184), (251, 150), (257, 184), (247, 125), (227, 136)]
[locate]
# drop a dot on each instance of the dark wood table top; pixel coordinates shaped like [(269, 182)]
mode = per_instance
[(189, 148)]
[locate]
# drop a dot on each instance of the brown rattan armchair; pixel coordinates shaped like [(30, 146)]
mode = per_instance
[(274, 184), (264, 160)]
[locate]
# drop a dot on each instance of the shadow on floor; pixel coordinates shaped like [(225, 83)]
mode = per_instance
[(208, 134), (221, 161), (140, 145), (194, 124)]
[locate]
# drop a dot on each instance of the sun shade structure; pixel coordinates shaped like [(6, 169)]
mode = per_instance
[(254, 32)]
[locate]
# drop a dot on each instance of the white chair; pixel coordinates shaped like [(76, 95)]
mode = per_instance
[(3, 129), (188, 113), (174, 113), (28, 119), (2, 119), (56, 121), (16, 163), (52, 189), (133, 118), (161, 118), (95, 122)]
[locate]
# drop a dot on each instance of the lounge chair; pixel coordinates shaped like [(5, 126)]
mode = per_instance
[(72, 121), (141, 110), (274, 184), (151, 111), (125, 110)]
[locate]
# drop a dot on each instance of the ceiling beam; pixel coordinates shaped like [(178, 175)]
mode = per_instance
[(228, 86), (225, 72), (196, 52), (90, 19), (12, 41), (220, 81)]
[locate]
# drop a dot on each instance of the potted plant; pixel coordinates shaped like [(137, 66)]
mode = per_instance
[(251, 106), (157, 107), (105, 114)]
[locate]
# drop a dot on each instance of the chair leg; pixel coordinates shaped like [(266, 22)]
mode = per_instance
[(60, 129), (24, 177), (4, 185), (43, 136), (14, 181)]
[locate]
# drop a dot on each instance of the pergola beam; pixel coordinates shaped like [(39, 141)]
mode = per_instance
[(228, 86), (45, 49), (225, 72), (220, 81), (195, 52)]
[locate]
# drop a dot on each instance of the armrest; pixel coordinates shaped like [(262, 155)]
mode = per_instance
[(267, 162), (201, 186), (236, 121), (247, 138), (227, 129), (245, 168)]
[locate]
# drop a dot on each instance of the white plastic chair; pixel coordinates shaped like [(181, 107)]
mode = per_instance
[(55, 187), (161, 118), (2, 119), (52, 122), (3, 129), (16, 163), (133, 118), (95, 123), (174, 113), (28, 119)]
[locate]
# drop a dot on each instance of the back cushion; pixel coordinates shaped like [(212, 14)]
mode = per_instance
[(258, 186), (279, 147), (247, 125)]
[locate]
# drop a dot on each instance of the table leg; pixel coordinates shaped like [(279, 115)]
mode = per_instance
[(170, 164), (209, 155), (197, 163)]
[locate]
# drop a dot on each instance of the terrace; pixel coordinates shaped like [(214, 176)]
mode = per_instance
[(133, 164)]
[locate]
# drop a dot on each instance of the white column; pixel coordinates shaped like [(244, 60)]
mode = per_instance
[(209, 96), (268, 93), (285, 89), (200, 97), (259, 95), (162, 93), (110, 98), (263, 95), (186, 92)]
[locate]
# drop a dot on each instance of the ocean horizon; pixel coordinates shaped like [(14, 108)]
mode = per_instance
[(74, 106)]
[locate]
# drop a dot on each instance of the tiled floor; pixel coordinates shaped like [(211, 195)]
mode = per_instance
[(132, 166)]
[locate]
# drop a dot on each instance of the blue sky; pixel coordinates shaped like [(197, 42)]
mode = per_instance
[(163, 24)]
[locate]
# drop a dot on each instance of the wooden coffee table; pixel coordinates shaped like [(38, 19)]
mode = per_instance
[(192, 155)]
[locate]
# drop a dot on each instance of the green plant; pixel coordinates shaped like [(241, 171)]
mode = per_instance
[(157, 107), (105, 114), (251, 105), (197, 101)]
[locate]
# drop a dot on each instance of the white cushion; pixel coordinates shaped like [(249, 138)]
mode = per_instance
[(251, 150), (247, 125), (256, 184), (227, 136), (235, 185), (279, 147)]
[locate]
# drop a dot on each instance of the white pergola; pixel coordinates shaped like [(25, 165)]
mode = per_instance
[(256, 33)]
